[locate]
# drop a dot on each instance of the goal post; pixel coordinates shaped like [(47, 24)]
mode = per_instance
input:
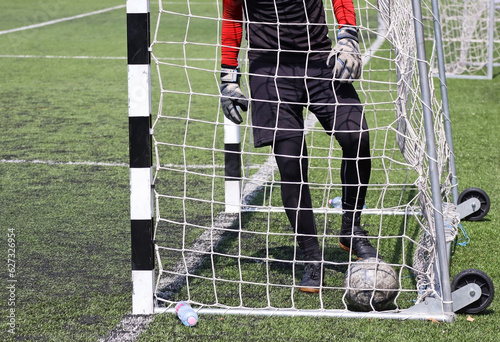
[(141, 173), (208, 225), (435, 180)]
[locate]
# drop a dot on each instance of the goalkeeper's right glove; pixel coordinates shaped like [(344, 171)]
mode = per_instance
[(231, 94)]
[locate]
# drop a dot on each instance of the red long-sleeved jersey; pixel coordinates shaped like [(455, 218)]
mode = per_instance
[(286, 25)]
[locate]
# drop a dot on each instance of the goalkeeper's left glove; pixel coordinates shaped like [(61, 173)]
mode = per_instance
[(231, 94), (345, 57)]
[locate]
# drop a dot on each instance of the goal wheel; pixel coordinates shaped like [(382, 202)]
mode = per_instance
[(480, 278), (483, 198)]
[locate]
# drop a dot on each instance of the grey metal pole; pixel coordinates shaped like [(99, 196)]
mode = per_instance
[(491, 39), (438, 36), (432, 159)]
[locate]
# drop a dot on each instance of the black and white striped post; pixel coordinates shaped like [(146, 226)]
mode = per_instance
[(140, 148), (232, 159)]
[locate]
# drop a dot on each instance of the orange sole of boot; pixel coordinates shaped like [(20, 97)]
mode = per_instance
[(309, 289), (345, 248)]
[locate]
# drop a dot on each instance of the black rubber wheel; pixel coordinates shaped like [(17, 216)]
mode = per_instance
[(483, 198), (480, 278)]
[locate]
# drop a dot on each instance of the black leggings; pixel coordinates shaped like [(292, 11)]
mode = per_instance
[(291, 157)]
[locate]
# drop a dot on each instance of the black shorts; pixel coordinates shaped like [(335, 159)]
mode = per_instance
[(280, 94)]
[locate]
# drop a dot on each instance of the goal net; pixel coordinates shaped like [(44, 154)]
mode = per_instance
[(231, 248), (470, 36)]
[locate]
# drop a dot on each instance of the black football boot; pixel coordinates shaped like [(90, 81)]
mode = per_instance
[(353, 239)]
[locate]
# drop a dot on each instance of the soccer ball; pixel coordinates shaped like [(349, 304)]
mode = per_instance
[(371, 284)]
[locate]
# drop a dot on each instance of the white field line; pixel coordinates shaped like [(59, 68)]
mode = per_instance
[(92, 163), (56, 21), (53, 162), (62, 57), (103, 57)]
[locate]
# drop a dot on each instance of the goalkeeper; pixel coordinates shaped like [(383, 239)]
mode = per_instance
[(291, 67)]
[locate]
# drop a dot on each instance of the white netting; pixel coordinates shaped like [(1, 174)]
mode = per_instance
[(250, 260), (470, 37)]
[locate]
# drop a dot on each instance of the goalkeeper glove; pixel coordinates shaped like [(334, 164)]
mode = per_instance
[(345, 57), (231, 95)]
